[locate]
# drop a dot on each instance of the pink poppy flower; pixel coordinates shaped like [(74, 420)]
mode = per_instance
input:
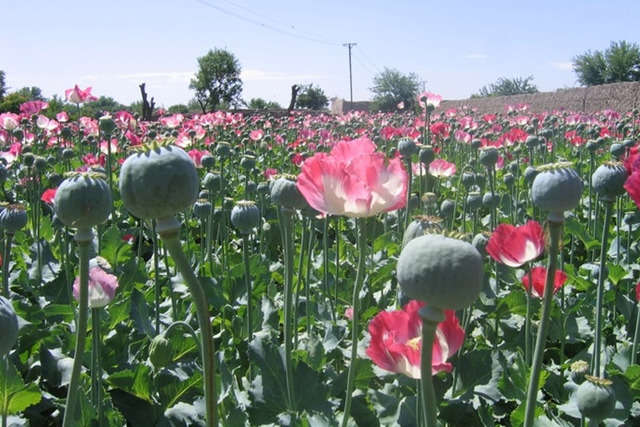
[(440, 168), (269, 172), (513, 246), (539, 276), (256, 134), (33, 107), (638, 292), (427, 98), (62, 117), (78, 96), (102, 285), (396, 341), (48, 195), (353, 180), (9, 121), (197, 155)]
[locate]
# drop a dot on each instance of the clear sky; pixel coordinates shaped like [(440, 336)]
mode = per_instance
[(456, 47)]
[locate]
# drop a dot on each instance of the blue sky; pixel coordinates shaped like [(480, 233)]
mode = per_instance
[(456, 47)]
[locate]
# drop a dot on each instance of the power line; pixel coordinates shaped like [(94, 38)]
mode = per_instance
[(367, 58), (288, 26), (263, 25)]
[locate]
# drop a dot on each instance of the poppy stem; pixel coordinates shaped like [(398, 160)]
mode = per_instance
[(355, 320), (286, 218), (597, 341), (171, 240), (431, 317), (84, 238), (543, 328)]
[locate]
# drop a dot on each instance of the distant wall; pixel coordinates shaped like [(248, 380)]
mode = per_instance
[(616, 96)]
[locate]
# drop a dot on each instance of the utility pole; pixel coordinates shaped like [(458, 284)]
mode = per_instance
[(350, 45)]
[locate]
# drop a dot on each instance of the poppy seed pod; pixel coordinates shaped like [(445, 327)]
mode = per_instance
[(8, 326), (160, 351), (245, 216), (617, 150), (557, 188), (596, 398), (406, 147), (107, 124), (488, 156), (83, 200), (427, 155), (285, 192), (202, 208), (420, 226), (447, 208), (608, 180), (13, 218), (441, 271), (158, 182)]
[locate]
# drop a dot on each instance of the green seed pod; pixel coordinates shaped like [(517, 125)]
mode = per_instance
[(578, 370), (508, 179), (441, 271), (406, 147), (8, 326), (488, 156), (83, 200), (223, 149), (608, 180), (530, 174), (40, 163), (107, 125), (202, 208), (28, 159), (420, 226), (160, 351), (474, 201), (248, 162), (532, 141), (447, 208), (13, 218), (68, 153), (596, 398), (427, 155), (557, 188), (468, 179), (617, 150), (245, 216), (284, 192), (476, 143), (208, 161), (480, 242), (158, 182), (212, 182), (491, 200)]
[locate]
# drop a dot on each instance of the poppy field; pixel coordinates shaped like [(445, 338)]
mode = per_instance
[(442, 267)]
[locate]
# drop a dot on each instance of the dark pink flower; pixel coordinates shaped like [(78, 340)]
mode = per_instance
[(48, 195), (513, 246), (396, 341), (33, 107), (539, 277)]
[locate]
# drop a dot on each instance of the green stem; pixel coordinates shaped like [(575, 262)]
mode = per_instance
[(636, 336), (597, 341), (355, 321), (96, 368), (431, 316), (300, 281), (527, 321), (156, 278), (170, 237), (188, 328), (247, 282), (287, 242), (325, 276), (543, 328), (8, 239), (84, 238)]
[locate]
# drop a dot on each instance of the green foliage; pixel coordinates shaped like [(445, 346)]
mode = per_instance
[(312, 97), (15, 395), (261, 104), (505, 87), (3, 85), (391, 87), (620, 62), (217, 80), (11, 102), (178, 109)]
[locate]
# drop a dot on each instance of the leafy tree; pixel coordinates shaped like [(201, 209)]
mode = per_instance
[(217, 81), (12, 101), (620, 62), (391, 87), (261, 104), (505, 87), (312, 97), (3, 85)]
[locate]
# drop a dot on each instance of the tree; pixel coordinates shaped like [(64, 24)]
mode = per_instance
[(505, 87), (312, 97), (11, 102), (261, 104), (217, 80), (391, 87), (620, 62), (3, 86)]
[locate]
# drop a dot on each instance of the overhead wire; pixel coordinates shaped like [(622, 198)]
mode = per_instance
[(264, 25)]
